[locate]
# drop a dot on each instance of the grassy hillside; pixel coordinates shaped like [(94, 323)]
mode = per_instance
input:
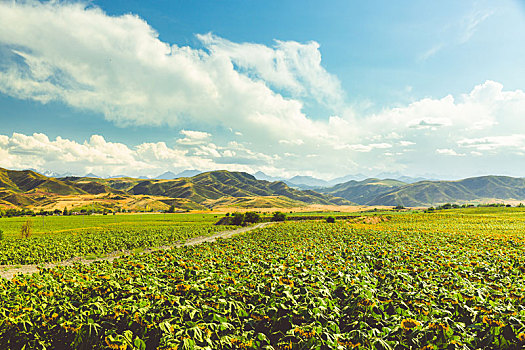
[(29, 181), (219, 184), (361, 192), (197, 192), (426, 193)]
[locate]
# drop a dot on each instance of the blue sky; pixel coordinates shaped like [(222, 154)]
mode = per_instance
[(285, 87)]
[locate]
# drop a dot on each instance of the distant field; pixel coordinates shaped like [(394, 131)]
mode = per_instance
[(453, 279), (53, 224)]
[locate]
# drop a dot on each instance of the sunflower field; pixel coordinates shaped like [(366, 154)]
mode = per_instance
[(451, 280)]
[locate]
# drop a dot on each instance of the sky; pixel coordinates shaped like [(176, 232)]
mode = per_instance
[(325, 89)]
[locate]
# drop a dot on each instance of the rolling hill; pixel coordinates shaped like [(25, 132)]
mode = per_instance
[(237, 189), (218, 184), (206, 190), (361, 192), (30, 181), (428, 193)]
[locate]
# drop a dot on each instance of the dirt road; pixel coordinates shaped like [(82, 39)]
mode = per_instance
[(9, 271)]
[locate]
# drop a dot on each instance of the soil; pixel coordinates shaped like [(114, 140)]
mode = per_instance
[(10, 271)]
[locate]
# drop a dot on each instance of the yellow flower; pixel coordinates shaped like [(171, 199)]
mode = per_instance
[(409, 323), (521, 336)]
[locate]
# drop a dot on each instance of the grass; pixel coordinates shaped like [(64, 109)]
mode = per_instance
[(59, 224)]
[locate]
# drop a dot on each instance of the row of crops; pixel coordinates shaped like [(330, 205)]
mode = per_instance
[(61, 246), (418, 281)]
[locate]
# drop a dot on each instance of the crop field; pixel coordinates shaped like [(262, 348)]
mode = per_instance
[(57, 224), (445, 280), (58, 238)]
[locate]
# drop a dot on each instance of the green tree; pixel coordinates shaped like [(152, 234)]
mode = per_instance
[(278, 216), (238, 219), (330, 219), (251, 217)]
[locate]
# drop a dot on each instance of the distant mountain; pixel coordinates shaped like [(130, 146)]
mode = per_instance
[(169, 175), (346, 178), (23, 188), (411, 180), (426, 193), (188, 173), (310, 181), (91, 175), (262, 176), (238, 189), (404, 178), (361, 192), (217, 184)]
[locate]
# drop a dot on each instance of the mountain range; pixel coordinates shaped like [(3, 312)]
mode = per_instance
[(205, 190), (313, 183), (237, 189), (428, 193)]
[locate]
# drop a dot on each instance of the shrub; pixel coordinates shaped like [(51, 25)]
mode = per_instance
[(278, 216), (251, 217), (330, 219), (27, 229), (1, 235), (238, 219)]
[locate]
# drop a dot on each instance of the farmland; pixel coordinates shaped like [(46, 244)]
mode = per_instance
[(446, 280), (58, 238)]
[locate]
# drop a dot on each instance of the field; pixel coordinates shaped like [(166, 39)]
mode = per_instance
[(58, 238), (447, 280)]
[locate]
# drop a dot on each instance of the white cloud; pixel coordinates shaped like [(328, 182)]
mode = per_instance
[(515, 142), (296, 142), (448, 152), (289, 65), (118, 67), (193, 137)]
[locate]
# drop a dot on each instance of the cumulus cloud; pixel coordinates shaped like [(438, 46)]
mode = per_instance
[(117, 66), (105, 158), (193, 137), (288, 65)]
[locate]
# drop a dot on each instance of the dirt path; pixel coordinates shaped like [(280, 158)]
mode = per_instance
[(9, 271)]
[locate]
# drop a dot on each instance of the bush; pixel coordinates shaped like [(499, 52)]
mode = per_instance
[(330, 219), (27, 229), (251, 217), (399, 207), (278, 216), (238, 219), (1, 235)]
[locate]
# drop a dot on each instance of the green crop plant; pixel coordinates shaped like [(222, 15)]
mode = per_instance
[(451, 280)]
